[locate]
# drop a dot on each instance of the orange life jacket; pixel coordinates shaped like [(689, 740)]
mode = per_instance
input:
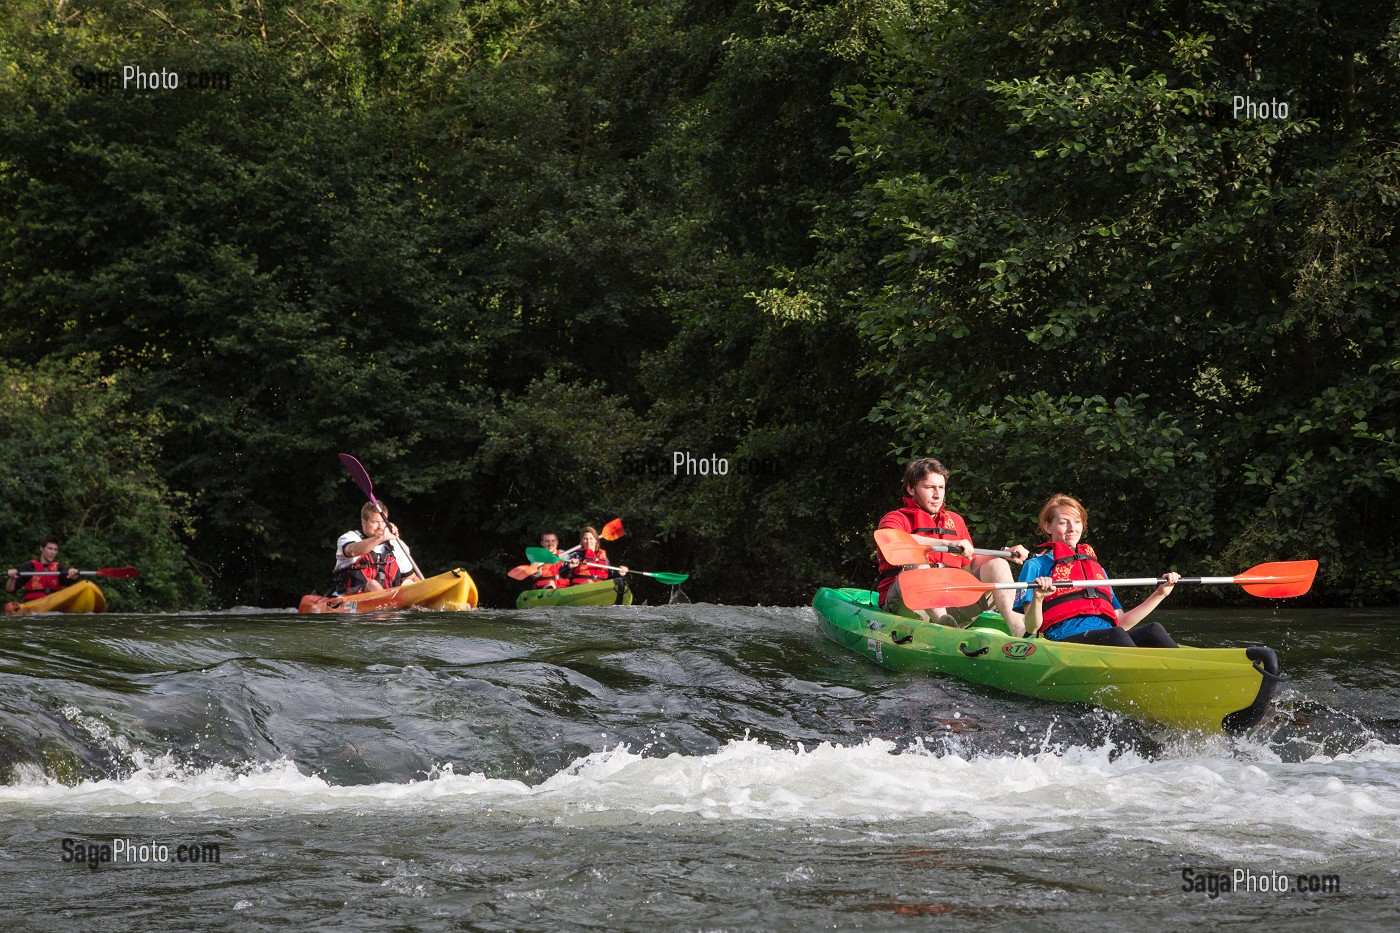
[(586, 574), (552, 573)]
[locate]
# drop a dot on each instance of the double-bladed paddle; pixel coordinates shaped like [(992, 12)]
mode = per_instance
[(118, 572), (946, 587), (901, 548), (544, 556), (361, 477), (672, 579)]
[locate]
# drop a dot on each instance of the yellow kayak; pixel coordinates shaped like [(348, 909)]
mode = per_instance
[(83, 596), (451, 591)]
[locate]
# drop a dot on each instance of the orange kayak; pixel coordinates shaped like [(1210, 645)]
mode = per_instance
[(83, 596), (451, 591)]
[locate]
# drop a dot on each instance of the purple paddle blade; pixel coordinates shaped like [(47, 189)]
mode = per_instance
[(360, 476)]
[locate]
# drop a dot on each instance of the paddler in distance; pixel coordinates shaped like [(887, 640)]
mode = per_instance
[(586, 553), (924, 516), (551, 576), (1091, 615), (53, 575), (373, 558)]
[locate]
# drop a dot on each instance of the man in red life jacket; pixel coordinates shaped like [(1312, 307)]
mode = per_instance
[(373, 558), (552, 576), (54, 577), (923, 515)]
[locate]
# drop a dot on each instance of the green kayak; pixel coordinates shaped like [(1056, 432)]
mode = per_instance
[(603, 593), (1211, 689)]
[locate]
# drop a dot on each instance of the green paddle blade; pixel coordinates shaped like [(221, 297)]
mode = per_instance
[(673, 579), (539, 555)]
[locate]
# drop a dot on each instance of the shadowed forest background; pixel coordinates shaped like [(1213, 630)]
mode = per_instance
[(513, 254)]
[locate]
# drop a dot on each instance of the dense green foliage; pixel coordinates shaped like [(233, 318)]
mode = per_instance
[(514, 254), (1187, 314), (77, 463)]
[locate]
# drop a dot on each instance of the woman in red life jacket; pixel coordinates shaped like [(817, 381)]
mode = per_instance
[(552, 576), (923, 515), (1090, 614), (53, 575), (372, 558), (588, 552)]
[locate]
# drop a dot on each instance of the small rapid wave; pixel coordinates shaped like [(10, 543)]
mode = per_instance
[(1232, 806)]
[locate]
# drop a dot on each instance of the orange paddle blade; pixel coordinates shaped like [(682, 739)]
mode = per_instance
[(612, 530), (524, 571), (941, 588), (899, 547), (1280, 579), (121, 573)]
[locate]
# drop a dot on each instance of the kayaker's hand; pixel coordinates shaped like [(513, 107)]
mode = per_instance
[(12, 573), (1043, 588), (1166, 588), (961, 548), (1018, 553), (622, 570), (72, 573), (391, 530)]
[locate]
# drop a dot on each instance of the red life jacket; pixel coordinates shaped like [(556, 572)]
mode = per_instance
[(947, 525), (39, 587), (1078, 564), (552, 573), (586, 574), (383, 567)]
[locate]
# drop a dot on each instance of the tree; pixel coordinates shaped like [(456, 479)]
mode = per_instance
[(77, 461), (1182, 314)]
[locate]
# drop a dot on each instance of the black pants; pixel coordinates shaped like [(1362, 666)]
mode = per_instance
[(1147, 635)]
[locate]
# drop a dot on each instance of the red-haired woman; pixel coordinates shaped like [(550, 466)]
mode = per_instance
[(1089, 614), (589, 552)]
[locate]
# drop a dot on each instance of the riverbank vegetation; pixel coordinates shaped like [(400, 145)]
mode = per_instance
[(515, 254)]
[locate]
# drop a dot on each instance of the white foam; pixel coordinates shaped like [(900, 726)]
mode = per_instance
[(1219, 803)]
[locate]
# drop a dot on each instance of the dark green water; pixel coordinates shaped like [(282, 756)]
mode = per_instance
[(689, 767)]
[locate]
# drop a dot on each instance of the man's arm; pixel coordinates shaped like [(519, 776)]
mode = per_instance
[(365, 545)]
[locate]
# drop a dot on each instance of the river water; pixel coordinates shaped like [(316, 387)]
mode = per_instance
[(684, 767)]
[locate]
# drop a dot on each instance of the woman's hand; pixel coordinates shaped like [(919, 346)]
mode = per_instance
[(1165, 589), (1044, 587)]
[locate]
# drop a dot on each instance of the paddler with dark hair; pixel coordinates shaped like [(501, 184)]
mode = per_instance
[(373, 558), (51, 576), (551, 576), (1089, 615), (924, 516)]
